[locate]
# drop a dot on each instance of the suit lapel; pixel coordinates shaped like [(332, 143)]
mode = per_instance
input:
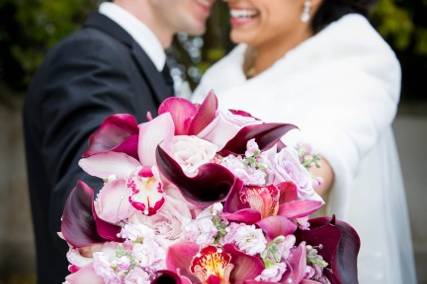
[(157, 83), (154, 78)]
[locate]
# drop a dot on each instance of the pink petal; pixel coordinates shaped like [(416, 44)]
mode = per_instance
[(266, 135), (297, 265), (180, 256), (247, 216), (105, 165), (129, 146), (275, 226), (181, 111), (224, 127), (112, 204), (151, 134), (205, 114), (107, 231), (113, 131), (288, 191), (85, 274), (245, 267), (299, 208)]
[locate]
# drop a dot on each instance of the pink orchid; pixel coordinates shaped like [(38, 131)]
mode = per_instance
[(131, 183), (211, 264), (273, 208)]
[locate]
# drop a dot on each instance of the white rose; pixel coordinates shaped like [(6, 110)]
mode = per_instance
[(190, 152)]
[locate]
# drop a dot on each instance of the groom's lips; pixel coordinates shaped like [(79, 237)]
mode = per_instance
[(204, 7)]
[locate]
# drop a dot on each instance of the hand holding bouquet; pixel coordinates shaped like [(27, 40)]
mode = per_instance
[(201, 195)]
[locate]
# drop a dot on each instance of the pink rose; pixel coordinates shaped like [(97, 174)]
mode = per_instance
[(190, 152), (286, 166)]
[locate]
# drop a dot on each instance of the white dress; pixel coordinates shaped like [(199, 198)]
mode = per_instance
[(341, 87)]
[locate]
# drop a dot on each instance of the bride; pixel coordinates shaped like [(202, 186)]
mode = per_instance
[(320, 65)]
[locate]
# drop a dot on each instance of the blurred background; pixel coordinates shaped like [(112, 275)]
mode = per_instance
[(28, 28)]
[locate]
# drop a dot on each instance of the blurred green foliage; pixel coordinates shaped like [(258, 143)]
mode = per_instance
[(28, 28)]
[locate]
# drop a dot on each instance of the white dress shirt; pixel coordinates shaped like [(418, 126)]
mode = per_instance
[(138, 31)]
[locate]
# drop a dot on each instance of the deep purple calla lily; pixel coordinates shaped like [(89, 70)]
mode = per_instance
[(118, 132), (339, 246), (169, 277), (190, 119), (80, 226), (266, 136), (212, 183)]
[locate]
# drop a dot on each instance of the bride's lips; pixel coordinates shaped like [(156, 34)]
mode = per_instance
[(240, 17)]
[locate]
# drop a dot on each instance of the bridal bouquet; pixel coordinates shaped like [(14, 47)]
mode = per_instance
[(199, 195)]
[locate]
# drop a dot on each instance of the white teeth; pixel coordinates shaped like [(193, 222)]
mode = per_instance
[(243, 13)]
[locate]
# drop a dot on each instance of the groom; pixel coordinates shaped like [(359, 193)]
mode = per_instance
[(114, 64)]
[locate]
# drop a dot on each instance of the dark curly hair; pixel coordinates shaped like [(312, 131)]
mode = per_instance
[(332, 10)]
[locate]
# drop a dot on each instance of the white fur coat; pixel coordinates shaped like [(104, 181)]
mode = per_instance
[(341, 88)]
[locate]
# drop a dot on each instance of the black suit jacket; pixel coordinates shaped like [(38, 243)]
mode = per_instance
[(98, 71)]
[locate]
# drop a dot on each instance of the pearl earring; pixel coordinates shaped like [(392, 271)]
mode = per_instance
[(305, 17)]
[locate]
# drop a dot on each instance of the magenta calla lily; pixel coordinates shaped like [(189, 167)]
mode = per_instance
[(118, 132), (340, 246), (266, 136), (81, 227), (212, 183), (268, 201), (190, 119)]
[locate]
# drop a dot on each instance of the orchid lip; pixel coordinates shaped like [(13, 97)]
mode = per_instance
[(147, 194), (212, 262)]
